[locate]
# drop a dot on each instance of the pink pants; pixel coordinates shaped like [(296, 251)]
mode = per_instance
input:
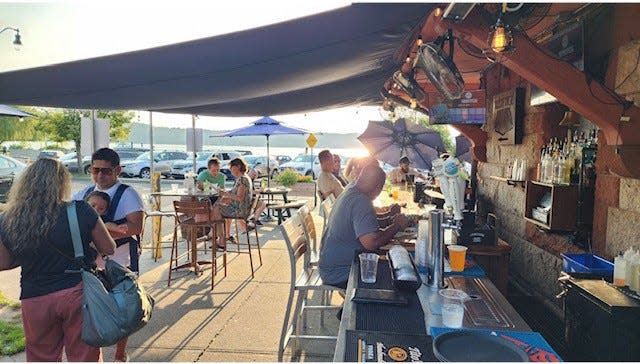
[(54, 321)]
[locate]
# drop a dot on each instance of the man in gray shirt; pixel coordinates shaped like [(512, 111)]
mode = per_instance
[(353, 226)]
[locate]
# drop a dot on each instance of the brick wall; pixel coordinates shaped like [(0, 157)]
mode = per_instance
[(535, 256)]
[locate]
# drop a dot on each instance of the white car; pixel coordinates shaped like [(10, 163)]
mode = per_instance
[(141, 166), (303, 165), (10, 166), (180, 168)]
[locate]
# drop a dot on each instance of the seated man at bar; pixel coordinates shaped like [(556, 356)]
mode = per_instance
[(404, 173), (337, 164), (353, 226), (328, 184)]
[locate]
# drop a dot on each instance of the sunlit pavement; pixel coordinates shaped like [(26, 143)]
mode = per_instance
[(240, 320)]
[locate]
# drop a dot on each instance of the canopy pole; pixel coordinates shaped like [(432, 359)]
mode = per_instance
[(268, 169), (193, 126), (151, 158)]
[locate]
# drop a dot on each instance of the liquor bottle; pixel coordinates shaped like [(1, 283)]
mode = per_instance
[(568, 170), (548, 170)]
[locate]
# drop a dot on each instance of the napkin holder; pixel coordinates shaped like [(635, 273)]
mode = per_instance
[(404, 285)]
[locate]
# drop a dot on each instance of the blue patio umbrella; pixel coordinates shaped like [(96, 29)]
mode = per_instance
[(266, 126), (462, 148), (388, 142), (6, 110)]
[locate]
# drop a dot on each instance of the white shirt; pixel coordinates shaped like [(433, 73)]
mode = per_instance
[(328, 184), (398, 176), (130, 202)]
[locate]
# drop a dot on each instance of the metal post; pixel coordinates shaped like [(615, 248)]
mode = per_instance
[(268, 169), (436, 250), (193, 126), (151, 147)]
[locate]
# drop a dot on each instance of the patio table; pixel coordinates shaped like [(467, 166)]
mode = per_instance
[(271, 192), (180, 192)]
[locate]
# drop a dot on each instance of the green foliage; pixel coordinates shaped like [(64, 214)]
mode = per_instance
[(288, 178), (6, 302), (12, 339), (305, 179)]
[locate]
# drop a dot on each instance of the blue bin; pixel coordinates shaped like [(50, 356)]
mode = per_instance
[(591, 265)]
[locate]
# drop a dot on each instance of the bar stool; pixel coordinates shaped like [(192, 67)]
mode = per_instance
[(191, 209), (250, 218), (148, 212)]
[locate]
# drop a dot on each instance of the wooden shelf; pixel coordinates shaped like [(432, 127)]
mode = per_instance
[(563, 212), (509, 181)]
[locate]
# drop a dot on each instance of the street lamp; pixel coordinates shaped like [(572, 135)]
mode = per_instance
[(17, 43)]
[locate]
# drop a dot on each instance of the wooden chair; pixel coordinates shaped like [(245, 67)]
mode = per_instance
[(250, 218), (191, 209), (149, 211), (307, 281)]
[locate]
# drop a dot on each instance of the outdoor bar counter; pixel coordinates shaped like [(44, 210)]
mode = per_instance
[(488, 308)]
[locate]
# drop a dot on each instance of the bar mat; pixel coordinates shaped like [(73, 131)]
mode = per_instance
[(407, 319), (380, 296), (367, 346), (530, 341), (471, 269)]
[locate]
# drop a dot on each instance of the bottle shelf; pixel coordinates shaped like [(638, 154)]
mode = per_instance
[(509, 181)]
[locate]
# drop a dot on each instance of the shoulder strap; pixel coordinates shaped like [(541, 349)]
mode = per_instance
[(75, 230), (88, 191), (113, 205)]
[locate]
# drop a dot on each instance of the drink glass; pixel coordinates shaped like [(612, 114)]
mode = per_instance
[(457, 255), (453, 307), (395, 193), (368, 267)]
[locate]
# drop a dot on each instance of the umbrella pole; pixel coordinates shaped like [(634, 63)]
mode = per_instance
[(268, 169)]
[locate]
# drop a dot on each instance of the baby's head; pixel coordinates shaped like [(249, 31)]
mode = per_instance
[(99, 201)]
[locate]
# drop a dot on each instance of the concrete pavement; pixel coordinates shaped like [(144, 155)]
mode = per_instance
[(240, 320)]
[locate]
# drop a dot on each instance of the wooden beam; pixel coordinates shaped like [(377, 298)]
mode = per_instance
[(569, 85)]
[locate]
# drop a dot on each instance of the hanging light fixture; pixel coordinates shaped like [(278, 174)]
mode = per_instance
[(500, 37), (17, 42), (570, 119)]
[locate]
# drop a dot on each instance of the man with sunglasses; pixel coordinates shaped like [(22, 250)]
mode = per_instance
[(125, 208)]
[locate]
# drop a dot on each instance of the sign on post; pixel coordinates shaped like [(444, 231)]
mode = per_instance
[(312, 141), (94, 134), (191, 139)]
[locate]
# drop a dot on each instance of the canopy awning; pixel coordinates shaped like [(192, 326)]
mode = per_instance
[(332, 59)]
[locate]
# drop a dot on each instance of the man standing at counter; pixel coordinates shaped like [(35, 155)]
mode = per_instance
[(404, 173), (353, 226)]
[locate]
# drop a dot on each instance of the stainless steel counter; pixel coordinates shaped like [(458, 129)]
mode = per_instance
[(488, 308)]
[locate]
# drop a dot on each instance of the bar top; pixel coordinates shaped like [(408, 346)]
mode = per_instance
[(487, 309)]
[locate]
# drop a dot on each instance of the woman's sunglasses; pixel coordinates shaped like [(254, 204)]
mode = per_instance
[(105, 171)]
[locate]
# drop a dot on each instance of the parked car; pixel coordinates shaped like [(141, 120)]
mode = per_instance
[(303, 165), (55, 154), (141, 166), (244, 152), (180, 168), (70, 161), (259, 163), (10, 166), (281, 158)]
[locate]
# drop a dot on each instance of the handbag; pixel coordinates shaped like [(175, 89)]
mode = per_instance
[(114, 311)]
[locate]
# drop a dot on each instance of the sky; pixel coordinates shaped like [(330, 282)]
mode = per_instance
[(61, 31)]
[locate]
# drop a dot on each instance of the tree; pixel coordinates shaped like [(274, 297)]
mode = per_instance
[(14, 128), (64, 125)]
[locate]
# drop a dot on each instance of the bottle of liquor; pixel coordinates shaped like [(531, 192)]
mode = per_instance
[(548, 170), (568, 166)]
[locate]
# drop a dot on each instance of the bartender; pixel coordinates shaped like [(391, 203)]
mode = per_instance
[(404, 172)]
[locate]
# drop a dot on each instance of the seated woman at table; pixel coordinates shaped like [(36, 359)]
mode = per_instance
[(235, 203)]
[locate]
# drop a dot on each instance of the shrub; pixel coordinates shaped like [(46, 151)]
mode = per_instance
[(305, 179), (287, 178)]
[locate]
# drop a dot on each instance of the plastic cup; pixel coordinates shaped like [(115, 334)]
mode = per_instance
[(457, 254), (453, 307), (368, 267), (395, 194)]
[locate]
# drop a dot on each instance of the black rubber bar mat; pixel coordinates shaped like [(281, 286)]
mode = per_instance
[(367, 346)]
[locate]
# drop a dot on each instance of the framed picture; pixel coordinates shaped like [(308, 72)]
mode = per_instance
[(507, 116)]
